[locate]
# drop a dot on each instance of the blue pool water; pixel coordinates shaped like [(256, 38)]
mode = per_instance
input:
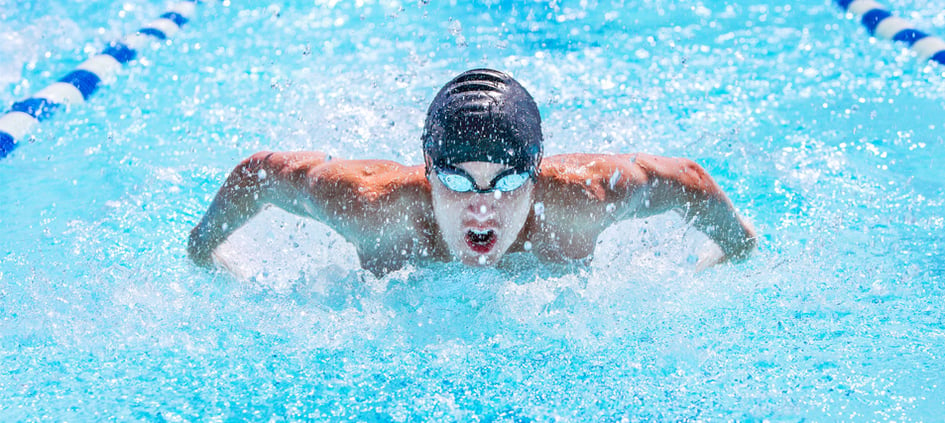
[(832, 143)]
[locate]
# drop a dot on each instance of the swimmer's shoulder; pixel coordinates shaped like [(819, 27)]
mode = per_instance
[(590, 168), (389, 202), (318, 163), (372, 179), (373, 173)]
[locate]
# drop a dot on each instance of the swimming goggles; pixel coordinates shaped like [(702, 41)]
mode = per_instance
[(458, 180)]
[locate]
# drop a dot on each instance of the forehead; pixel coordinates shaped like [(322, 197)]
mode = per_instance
[(482, 170)]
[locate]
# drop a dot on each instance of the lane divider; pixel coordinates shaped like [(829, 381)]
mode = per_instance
[(78, 85), (881, 23)]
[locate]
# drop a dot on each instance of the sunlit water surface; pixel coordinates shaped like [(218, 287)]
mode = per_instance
[(831, 143)]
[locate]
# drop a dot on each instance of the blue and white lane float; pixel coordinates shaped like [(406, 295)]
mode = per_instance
[(881, 23), (78, 85)]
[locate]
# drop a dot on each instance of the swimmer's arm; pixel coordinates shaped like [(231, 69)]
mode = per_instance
[(660, 184), (263, 178)]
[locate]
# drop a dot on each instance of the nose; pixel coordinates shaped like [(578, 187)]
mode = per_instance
[(481, 206)]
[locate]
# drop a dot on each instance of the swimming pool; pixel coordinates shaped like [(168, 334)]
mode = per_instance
[(832, 143)]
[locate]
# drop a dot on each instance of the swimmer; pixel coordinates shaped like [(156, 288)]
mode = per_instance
[(482, 192)]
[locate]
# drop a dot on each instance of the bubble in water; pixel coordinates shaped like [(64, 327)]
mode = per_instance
[(455, 28), (482, 260)]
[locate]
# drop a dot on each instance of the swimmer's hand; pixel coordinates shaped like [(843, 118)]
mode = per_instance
[(212, 258), (734, 248), (198, 249), (741, 244), (709, 255)]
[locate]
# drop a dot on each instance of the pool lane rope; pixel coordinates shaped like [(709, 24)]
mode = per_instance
[(881, 23), (78, 85)]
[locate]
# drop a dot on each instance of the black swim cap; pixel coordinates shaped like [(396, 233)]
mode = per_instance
[(483, 115)]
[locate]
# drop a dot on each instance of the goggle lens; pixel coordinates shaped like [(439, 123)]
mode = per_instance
[(510, 182), (459, 181), (456, 182)]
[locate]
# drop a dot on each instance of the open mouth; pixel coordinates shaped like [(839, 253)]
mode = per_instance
[(481, 241)]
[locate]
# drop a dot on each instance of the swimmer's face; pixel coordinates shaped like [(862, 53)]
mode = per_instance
[(480, 227)]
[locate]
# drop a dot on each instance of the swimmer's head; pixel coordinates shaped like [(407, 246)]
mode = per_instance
[(483, 115), (482, 149)]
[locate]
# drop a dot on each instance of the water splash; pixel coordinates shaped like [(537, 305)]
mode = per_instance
[(830, 148)]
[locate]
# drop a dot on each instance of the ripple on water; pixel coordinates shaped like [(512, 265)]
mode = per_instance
[(830, 146)]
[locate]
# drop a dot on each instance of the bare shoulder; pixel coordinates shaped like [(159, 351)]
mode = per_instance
[(315, 184), (595, 175), (287, 161), (369, 202), (583, 193), (318, 164), (619, 170), (589, 165), (372, 178)]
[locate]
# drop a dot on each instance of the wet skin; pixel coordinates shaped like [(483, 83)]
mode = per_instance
[(479, 228), (395, 214)]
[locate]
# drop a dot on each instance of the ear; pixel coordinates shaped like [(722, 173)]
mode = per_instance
[(431, 177), (428, 165)]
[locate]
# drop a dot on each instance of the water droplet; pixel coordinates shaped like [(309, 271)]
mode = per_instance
[(455, 27), (527, 246), (614, 178)]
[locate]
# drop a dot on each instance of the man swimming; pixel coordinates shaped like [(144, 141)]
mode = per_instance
[(482, 192)]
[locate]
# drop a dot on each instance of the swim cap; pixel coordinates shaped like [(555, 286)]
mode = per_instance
[(483, 115)]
